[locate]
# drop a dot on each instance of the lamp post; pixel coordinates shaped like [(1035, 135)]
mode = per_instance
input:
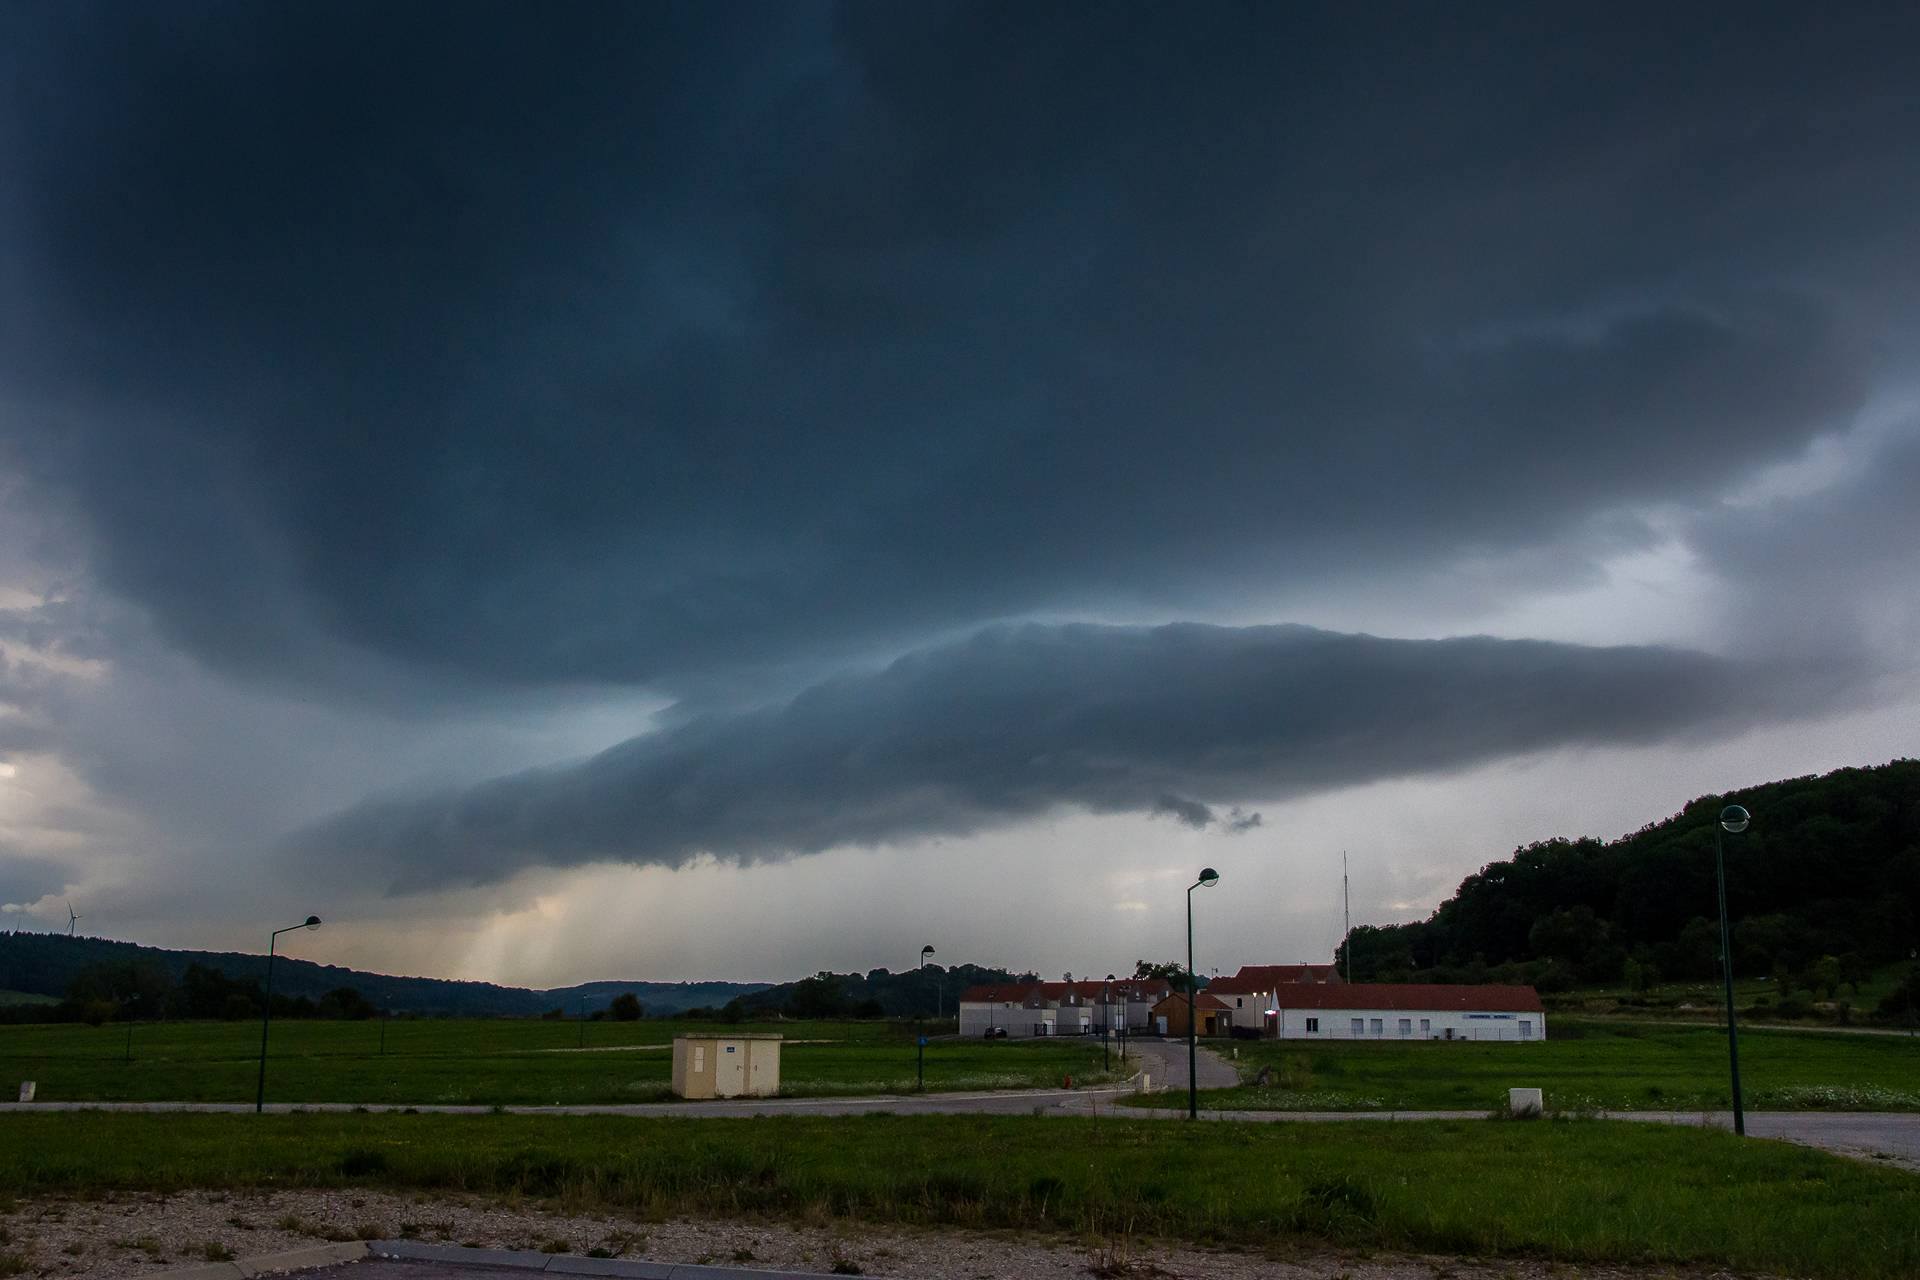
[(1733, 820), (1209, 878), (385, 1013), (1106, 1025), (266, 1015), (919, 1032), (133, 1008)]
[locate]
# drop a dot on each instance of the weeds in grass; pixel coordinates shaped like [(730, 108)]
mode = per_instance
[(1117, 1259), (217, 1252), (14, 1264), (1830, 1097), (619, 1243), (363, 1162)]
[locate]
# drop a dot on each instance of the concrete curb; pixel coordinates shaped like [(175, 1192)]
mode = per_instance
[(270, 1264), (563, 1264)]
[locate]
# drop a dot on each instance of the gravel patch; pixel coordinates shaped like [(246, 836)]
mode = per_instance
[(134, 1235)]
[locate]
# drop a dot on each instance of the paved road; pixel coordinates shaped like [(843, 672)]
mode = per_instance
[(1166, 1062)]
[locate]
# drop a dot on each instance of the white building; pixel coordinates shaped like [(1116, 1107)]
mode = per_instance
[(1250, 994), (1402, 1011), (1026, 1009)]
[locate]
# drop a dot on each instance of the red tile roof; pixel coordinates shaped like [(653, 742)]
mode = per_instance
[(1412, 996), (1201, 1001), (1264, 977)]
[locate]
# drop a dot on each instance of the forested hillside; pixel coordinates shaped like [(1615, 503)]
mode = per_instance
[(1823, 887), (50, 964)]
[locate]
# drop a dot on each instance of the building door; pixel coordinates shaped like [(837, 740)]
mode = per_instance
[(729, 1072)]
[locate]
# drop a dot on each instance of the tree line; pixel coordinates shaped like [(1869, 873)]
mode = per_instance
[(116, 992)]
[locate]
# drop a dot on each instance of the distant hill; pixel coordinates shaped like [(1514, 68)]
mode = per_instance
[(44, 964), (1826, 879)]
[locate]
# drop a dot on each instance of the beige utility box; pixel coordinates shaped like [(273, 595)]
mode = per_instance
[(726, 1066)]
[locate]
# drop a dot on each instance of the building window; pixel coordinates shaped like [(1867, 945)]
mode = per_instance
[(1238, 1002), (1426, 1027), (1377, 1026), (1526, 1029), (1313, 1026), (1406, 1026), (1359, 1027)]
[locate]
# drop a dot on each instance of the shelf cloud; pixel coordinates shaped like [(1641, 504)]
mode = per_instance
[(1016, 721)]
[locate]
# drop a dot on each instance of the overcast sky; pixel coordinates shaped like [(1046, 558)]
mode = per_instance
[(724, 491)]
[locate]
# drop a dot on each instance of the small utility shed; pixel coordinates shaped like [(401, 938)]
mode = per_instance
[(743, 1066)]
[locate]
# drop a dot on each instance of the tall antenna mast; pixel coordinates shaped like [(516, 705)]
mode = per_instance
[(1346, 917)]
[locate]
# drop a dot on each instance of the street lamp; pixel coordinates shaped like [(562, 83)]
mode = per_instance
[(919, 1032), (266, 1015), (1733, 820), (1209, 878), (1106, 1025), (133, 1011)]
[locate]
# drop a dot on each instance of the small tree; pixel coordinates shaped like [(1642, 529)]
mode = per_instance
[(626, 1007), (1824, 975)]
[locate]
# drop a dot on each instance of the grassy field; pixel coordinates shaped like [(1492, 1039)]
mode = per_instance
[(1757, 999), (1570, 1190), (484, 1062), (1585, 1065)]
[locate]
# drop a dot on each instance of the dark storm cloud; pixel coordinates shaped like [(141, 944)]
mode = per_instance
[(26, 879), (646, 342), (1022, 720)]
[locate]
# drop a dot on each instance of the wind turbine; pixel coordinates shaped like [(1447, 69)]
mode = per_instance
[(71, 919)]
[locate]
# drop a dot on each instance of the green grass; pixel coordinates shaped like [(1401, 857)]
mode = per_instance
[(1574, 1191), (489, 1062), (1585, 1065), (1757, 1000)]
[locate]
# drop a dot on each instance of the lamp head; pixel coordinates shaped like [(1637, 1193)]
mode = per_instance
[(1734, 819), (311, 922), (1209, 877)]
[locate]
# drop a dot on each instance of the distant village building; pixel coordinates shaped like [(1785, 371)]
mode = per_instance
[(1275, 1002), (1404, 1011), (1209, 1011), (1020, 1010), (1253, 993)]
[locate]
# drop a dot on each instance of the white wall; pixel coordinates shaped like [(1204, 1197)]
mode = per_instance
[(977, 1016), (1337, 1024)]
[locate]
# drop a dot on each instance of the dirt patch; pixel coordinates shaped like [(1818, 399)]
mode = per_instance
[(134, 1235)]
